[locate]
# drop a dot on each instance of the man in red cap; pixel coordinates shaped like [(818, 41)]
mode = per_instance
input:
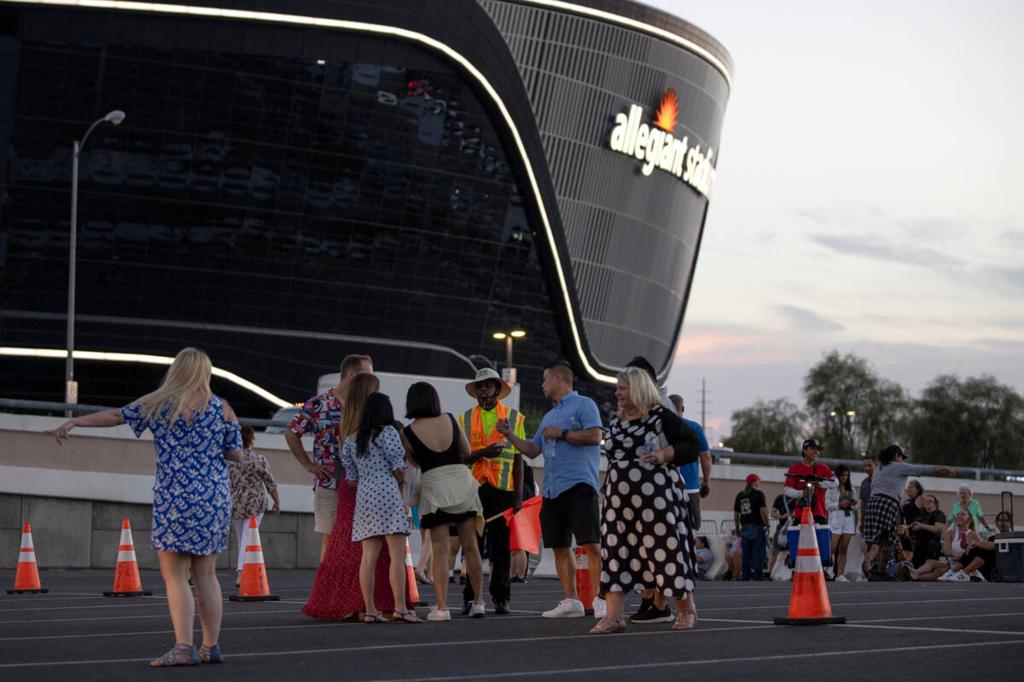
[(750, 512), (796, 481)]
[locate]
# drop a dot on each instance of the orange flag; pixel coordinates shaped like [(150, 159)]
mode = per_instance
[(525, 526)]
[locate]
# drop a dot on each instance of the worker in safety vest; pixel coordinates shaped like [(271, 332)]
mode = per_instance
[(498, 467)]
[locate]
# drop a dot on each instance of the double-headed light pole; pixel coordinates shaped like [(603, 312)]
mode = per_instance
[(508, 337), (114, 117)]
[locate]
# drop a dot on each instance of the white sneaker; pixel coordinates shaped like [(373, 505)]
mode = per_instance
[(828, 573), (960, 577), (978, 576), (439, 614), (567, 608), (477, 610), (600, 608), (842, 579)]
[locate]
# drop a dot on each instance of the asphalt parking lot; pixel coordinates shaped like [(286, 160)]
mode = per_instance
[(924, 631)]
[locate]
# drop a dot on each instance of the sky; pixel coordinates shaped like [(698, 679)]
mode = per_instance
[(868, 198)]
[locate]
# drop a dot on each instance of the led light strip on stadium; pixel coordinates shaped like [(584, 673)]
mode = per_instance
[(379, 29), (138, 358)]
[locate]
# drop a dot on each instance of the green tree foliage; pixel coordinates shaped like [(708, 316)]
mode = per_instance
[(975, 422), (774, 427), (853, 408)]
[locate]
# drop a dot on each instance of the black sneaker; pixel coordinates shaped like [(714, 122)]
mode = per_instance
[(653, 615), (466, 606), (644, 605), (501, 608)]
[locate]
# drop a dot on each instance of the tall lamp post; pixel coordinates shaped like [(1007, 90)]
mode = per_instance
[(508, 337), (114, 117)]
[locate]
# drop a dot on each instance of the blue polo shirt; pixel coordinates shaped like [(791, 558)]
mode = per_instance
[(566, 464), (691, 471)]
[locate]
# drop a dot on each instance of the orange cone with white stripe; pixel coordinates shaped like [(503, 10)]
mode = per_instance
[(584, 587), (808, 601), (127, 582), (412, 592), (26, 579), (254, 585)]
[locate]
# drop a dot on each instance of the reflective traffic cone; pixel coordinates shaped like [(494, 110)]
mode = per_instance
[(412, 592), (127, 582), (808, 601), (254, 585), (26, 579), (584, 588)]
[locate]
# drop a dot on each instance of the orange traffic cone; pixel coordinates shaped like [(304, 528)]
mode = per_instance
[(127, 582), (584, 588), (808, 601), (27, 577), (254, 585), (412, 592)]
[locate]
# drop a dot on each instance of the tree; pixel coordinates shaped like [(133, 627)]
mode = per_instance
[(774, 427), (854, 409), (975, 422)]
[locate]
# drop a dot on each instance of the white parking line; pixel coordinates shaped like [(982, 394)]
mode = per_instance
[(386, 647), (906, 628), (706, 661)]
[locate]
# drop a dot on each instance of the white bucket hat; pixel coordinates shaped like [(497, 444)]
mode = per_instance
[(486, 374)]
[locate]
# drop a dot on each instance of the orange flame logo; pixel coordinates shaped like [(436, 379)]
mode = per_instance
[(668, 111)]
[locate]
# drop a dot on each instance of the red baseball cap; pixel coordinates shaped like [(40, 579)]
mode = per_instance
[(753, 478)]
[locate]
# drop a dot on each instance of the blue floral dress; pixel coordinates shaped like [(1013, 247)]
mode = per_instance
[(192, 493)]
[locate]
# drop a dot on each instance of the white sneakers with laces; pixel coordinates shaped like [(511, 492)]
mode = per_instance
[(952, 576), (842, 579), (477, 610), (600, 608), (437, 614), (567, 608)]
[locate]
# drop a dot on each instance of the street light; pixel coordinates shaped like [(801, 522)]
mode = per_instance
[(508, 337), (114, 117)]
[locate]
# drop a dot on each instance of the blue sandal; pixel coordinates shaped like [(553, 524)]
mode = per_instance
[(210, 654), (181, 654)]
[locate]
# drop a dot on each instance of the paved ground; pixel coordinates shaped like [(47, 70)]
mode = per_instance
[(935, 631)]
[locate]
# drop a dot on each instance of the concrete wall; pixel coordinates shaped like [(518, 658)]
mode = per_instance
[(85, 533)]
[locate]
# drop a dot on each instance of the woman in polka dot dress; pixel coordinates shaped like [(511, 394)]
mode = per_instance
[(646, 543)]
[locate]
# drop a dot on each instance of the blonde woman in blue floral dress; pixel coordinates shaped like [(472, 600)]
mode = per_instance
[(194, 432)]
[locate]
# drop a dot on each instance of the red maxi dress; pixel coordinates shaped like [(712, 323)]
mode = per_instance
[(336, 594)]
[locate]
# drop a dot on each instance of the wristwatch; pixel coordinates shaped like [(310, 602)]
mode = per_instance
[(565, 434)]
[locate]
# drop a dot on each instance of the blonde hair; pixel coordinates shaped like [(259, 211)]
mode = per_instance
[(186, 385), (642, 391), (361, 387)]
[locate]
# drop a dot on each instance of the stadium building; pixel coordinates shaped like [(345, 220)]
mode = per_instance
[(295, 181)]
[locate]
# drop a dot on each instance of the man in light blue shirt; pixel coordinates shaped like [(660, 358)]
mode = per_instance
[(569, 436)]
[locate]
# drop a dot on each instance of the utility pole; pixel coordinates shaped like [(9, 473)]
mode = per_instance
[(703, 400)]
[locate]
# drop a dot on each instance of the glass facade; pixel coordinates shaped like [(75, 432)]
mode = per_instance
[(282, 195), (632, 239), (258, 197)]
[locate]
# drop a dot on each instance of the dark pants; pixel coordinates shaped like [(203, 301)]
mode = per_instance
[(754, 542), (496, 535)]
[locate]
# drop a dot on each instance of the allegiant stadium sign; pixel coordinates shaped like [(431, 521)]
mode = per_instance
[(657, 147)]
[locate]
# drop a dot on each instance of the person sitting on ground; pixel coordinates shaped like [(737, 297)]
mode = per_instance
[(705, 557), (1004, 522), (954, 543), (733, 557), (909, 509), (926, 531), (965, 500)]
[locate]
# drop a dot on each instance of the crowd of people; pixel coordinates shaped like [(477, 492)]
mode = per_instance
[(902, 532), (638, 528)]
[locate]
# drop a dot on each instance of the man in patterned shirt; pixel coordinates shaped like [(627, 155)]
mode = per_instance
[(320, 416)]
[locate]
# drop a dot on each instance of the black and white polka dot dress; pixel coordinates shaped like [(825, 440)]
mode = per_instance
[(380, 509), (645, 541)]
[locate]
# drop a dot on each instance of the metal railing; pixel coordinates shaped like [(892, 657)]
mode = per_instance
[(977, 473)]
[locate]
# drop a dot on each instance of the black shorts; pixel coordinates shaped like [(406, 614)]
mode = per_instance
[(574, 513)]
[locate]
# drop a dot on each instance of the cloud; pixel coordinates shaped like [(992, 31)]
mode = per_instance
[(1013, 238), (808, 320), (879, 249), (732, 345)]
